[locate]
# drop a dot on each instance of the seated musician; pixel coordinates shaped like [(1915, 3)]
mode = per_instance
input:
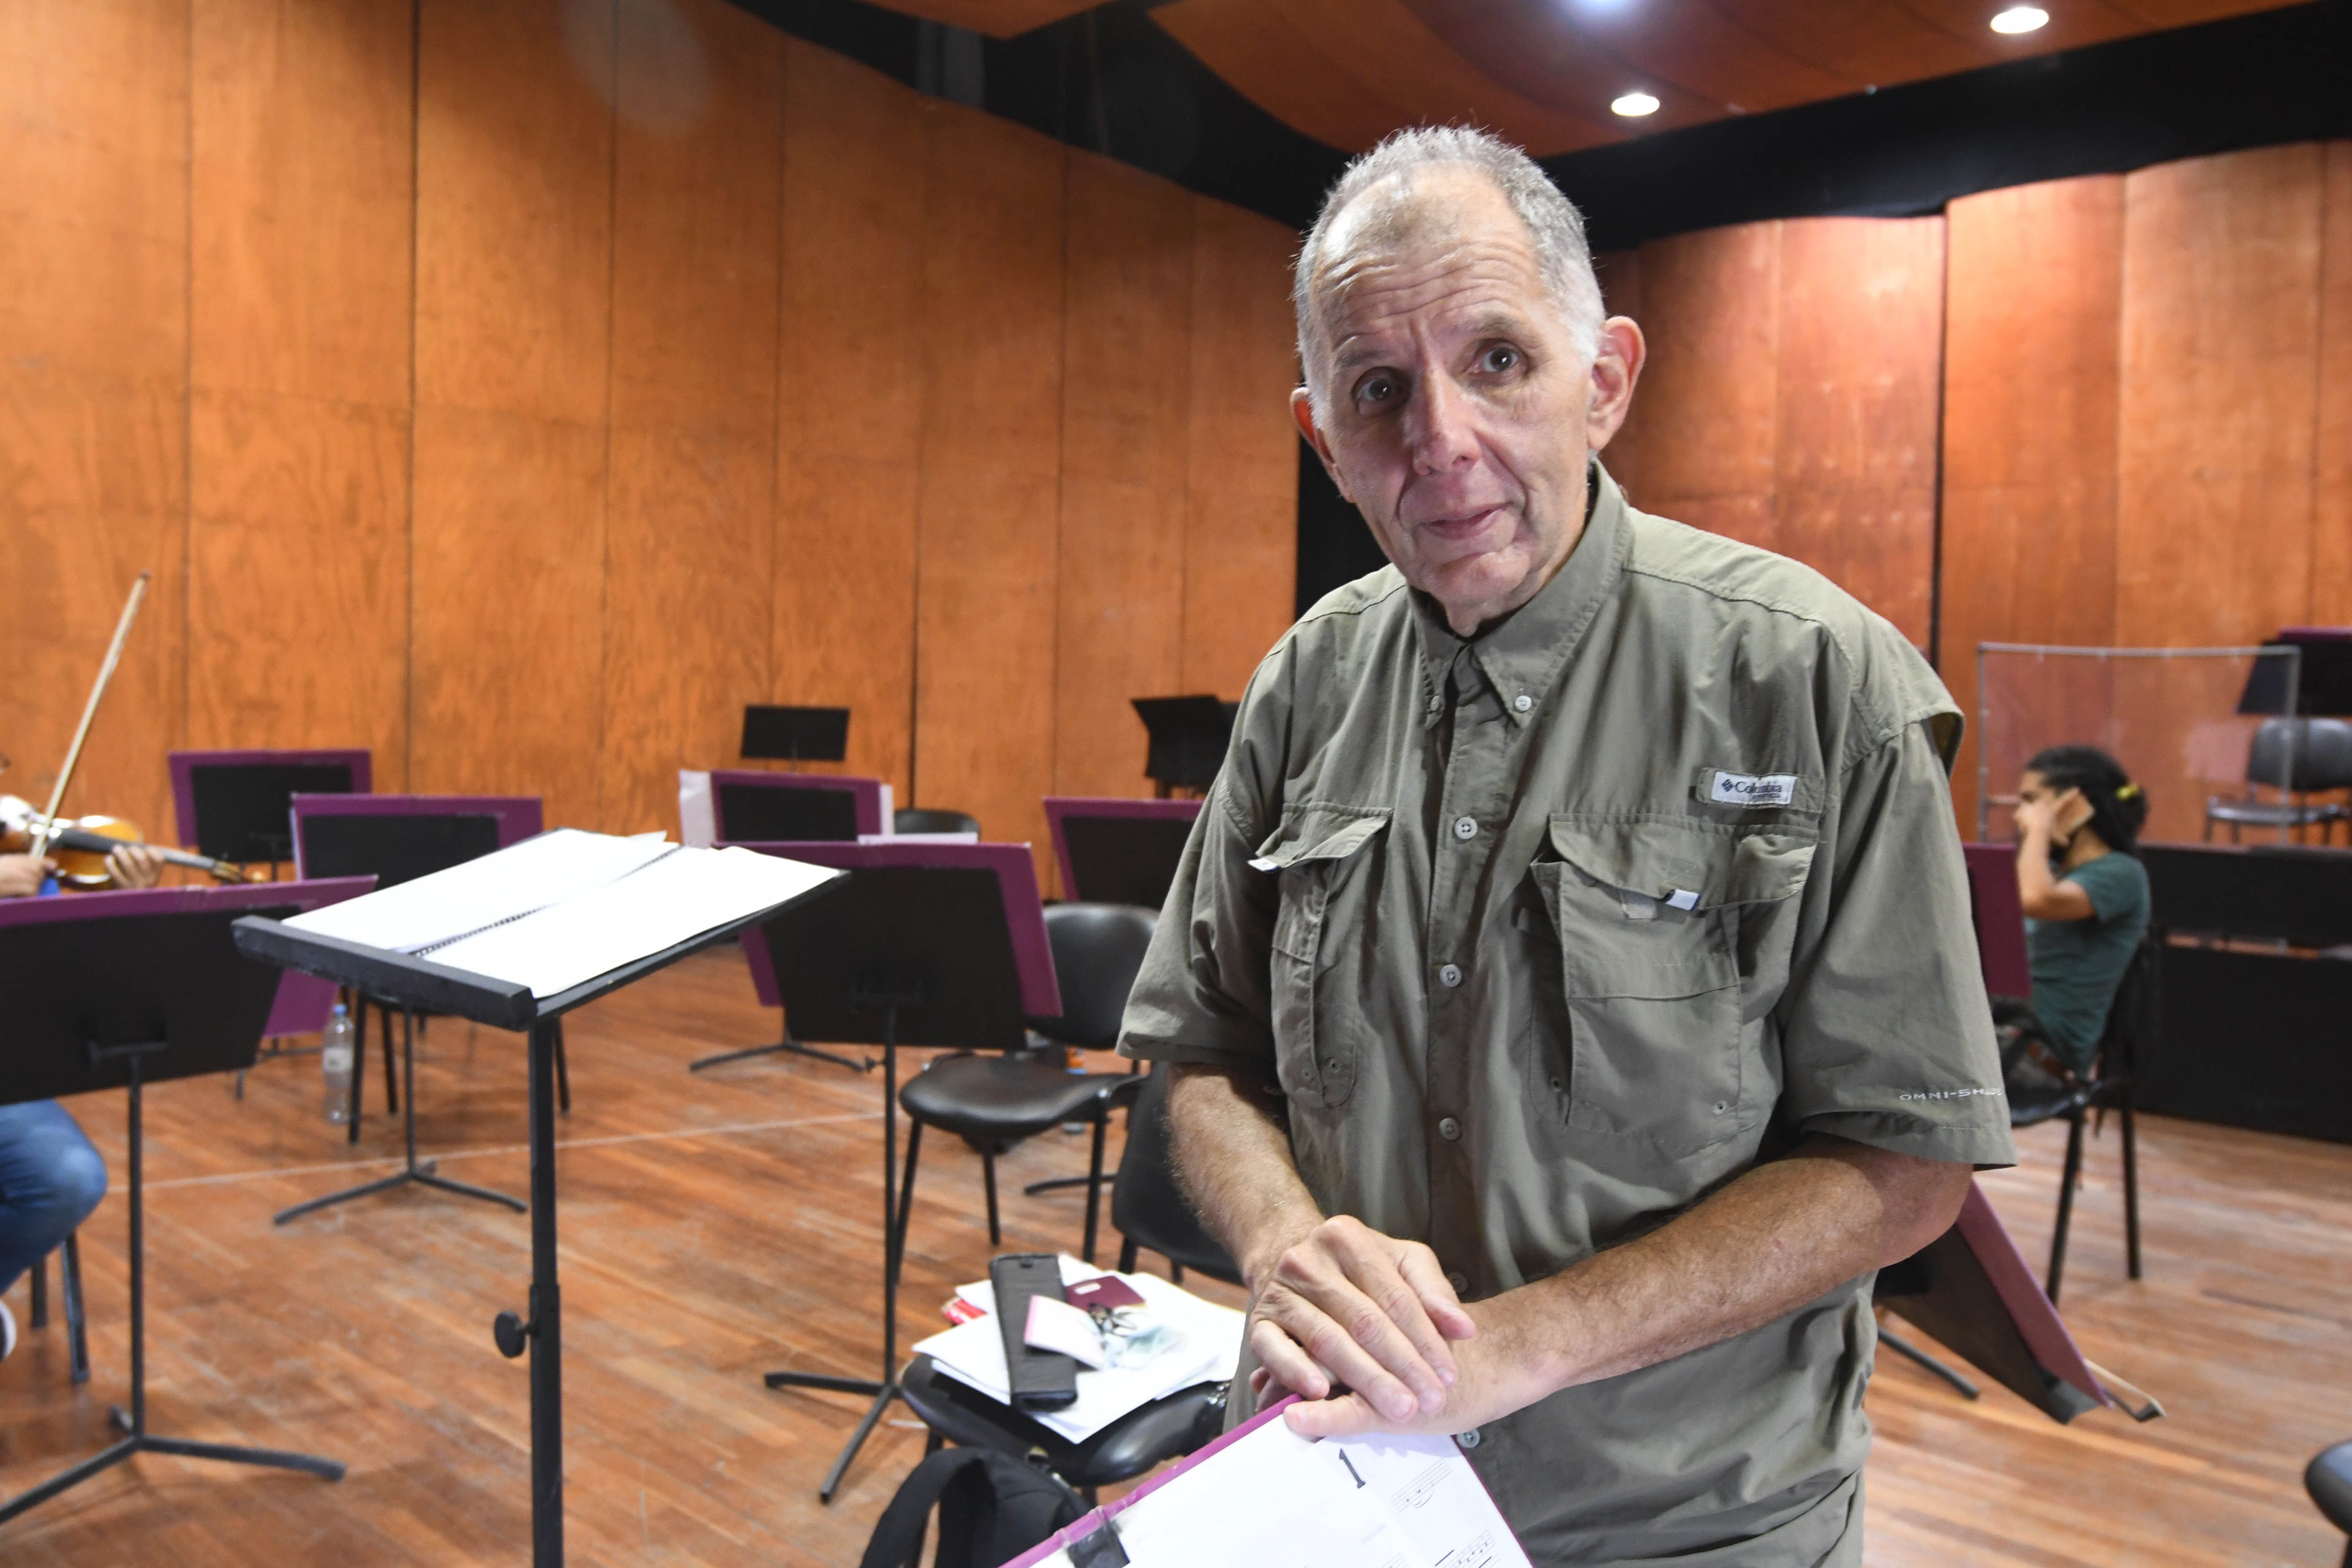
[(2086, 907), (50, 1177), (1568, 985)]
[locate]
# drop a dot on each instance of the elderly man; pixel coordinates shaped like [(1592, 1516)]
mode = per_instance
[(1568, 984)]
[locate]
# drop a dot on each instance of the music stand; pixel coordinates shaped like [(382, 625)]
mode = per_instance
[(926, 944), (1188, 739), (1999, 915), (795, 734), (236, 806), (756, 808), (1971, 1287), (422, 983), (121, 991), (1114, 851), (398, 838)]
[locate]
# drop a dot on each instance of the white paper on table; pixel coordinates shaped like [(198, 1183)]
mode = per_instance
[(503, 886), (1276, 1499), (1207, 1345), (670, 900)]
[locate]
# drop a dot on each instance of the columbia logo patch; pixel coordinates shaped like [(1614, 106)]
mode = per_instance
[(1752, 789)]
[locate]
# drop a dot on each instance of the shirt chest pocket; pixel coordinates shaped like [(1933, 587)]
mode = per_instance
[(1648, 914), (1325, 862)]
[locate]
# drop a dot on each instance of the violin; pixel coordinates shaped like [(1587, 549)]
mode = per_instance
[(79, 847)]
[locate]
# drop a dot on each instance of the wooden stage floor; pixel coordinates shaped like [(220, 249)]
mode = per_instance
[(721, 1225)]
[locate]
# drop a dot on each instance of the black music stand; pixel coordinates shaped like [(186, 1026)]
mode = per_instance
[(905, 955), (795, 734), (121, 991), (238, 805), (1188, 739), (420, 983), (395, 843), (1972, 1290), (1120, 851)]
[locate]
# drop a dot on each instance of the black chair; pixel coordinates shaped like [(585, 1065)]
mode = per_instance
[(994, 1102), (1150, 1212), (2131, 1025), (923, 819), (1164, 1429), (69, 1286), (1145, 1204), (2328, 1480), (2298, 758)]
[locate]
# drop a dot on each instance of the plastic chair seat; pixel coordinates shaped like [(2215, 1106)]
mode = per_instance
[(996, 1099), (2030, 1111), (2328, 1479), (1164, 1429), (2272, 814)]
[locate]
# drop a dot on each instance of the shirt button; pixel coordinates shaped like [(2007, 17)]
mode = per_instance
[(1459, 1280), (1523, 703), (1448, 1129), (1468, 1440), (1450, 973), (1464, 827), (1435, 703)]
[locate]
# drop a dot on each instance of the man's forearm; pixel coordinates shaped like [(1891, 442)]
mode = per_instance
[(1235, 1164), (1783, 1234)]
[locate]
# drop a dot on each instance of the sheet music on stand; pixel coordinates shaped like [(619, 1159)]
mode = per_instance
[(555, 911), (1262, 1493)]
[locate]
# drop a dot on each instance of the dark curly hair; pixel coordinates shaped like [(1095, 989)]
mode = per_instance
[(2119, 806)]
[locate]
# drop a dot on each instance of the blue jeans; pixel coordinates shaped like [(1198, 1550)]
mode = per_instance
[(51, 1180)]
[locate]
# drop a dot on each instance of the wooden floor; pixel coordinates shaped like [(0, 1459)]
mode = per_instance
[(721, 1225)]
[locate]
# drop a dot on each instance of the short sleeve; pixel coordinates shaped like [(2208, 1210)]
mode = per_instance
[(2111, 883), (1885, 1029)]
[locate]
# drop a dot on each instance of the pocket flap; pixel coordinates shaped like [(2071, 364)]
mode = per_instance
[(1686, 865), (1320, 833)]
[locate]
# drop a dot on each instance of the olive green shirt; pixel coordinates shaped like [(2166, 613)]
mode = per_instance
[(1548, 934)]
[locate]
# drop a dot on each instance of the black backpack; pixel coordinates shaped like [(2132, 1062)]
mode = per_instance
[(992, 1508)]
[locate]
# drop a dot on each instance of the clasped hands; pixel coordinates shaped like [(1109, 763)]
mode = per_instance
[(1367, 1332)]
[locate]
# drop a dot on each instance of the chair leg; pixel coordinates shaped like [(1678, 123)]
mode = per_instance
[(1126, 1255), (1094, 1183), (39, 1318), (359, 1068), (77, 1316), (2131, 1188), (2066, 1205), (988, 1178), (563, 1073)]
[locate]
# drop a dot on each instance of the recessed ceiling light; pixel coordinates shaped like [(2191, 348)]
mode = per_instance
[(1634, 105), (2020, 19)]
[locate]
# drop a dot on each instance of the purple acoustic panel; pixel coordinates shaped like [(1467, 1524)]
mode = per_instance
[(1060, 807), (1016, 880), (866, 794), (518, 816), (2000, 919), (303, 1000), (183, 766)]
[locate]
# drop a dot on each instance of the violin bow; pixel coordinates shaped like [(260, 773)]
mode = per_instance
[(47, 829)]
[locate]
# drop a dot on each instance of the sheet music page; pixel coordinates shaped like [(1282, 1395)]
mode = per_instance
[(681, 895), (1280, 1501), (497, 886)]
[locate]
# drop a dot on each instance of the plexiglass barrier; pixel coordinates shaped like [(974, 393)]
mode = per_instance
[(2180, 719)]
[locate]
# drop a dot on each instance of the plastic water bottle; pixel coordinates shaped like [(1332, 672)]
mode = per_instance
[(335, 1052)]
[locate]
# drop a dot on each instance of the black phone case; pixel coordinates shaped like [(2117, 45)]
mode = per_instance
[(1042, 1380)]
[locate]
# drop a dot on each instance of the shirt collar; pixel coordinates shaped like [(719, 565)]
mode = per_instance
[(1522, 657)]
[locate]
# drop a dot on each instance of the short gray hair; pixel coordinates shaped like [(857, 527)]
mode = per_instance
[(1553, 224)]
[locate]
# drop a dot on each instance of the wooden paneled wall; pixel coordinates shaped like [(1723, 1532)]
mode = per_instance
[(1791, 395), (519, 387), (2139, 387)]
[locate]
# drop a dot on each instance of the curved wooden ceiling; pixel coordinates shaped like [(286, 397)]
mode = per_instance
[(1543, 72)]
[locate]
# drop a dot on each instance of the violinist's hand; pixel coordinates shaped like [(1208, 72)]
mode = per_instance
[(134, 866), (21, 875)]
